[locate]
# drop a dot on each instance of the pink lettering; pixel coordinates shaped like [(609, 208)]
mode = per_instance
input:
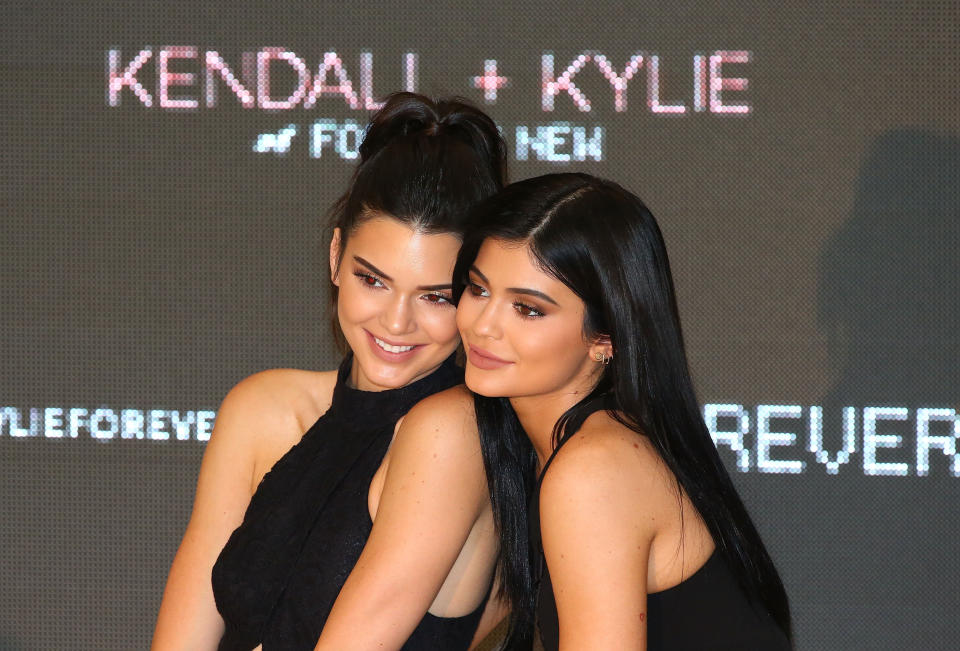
[(653, 89), (165, 78), (332, 63), (116, 81), (619, 82), (215, 65), (719, 83), (411, 72), (552, 87), (264, 58), (699, 83), (366, 82)]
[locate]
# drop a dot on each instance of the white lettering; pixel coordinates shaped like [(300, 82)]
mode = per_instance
[(205, 424), (104, 416), (872, 441), (53, 422), (77, 417), (182, 425), (946, 442), (849, 439), (131, 424), (734, 439), (156, 427), (767, 439)]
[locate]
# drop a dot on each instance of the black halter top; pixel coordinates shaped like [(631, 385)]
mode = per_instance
[(706, 611), (281, 570)]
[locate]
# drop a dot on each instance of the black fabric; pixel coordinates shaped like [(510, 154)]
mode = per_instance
[(281, 570), (707, 611)]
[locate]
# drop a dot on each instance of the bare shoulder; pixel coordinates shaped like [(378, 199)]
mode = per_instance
[(448, 414), (283, 388), (439, 436), (273, 408), (608, 464)]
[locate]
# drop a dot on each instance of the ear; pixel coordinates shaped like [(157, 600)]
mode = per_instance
[(335, 257), (601, 349)]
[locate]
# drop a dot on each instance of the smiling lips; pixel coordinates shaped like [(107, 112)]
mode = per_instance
[(391, 352), (392, 349), (485, 360)]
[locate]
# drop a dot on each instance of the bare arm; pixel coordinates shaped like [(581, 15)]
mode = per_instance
[(596, 537), (188, 617), (434, 499)]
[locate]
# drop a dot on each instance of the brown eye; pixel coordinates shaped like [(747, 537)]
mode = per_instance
[(527, 311), (477, 290)]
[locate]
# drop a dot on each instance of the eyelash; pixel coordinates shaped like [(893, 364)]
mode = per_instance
[(364, 277), (531, 311), (379, 284), (473, 288), (444, 300)]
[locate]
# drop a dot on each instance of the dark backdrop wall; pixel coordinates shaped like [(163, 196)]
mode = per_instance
[(165, 172)]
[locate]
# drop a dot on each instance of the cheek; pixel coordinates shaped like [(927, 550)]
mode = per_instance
[(466, 312), (543, 345), (548, 356), (439, 324), (355, 304)]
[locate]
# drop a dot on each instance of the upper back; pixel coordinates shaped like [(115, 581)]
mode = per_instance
[(608, 459), (687, 579)]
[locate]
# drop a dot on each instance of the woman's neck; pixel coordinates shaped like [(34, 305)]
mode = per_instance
[(539, 415)]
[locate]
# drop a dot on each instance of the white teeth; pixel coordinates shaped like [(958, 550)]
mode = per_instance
[(392, 349)]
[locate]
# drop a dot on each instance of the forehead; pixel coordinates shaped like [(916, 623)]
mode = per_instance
[(502, 258), (403, 252), (512, 264)]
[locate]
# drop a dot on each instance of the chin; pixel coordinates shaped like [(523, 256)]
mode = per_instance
[(483, 384), (386, 375)]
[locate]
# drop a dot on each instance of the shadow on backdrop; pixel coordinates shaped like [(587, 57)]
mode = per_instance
[(878, 569), (889, 296)]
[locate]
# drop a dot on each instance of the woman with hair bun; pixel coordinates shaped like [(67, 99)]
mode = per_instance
[(587, 414), (332, 510)]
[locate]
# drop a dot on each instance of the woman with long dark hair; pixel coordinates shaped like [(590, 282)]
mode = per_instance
[(619, 527), (331, 512)]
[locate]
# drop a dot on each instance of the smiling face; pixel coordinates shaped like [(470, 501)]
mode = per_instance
[(394, 301), (523, 329)]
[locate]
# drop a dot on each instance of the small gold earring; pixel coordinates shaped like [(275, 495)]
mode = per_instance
[(599, 356)]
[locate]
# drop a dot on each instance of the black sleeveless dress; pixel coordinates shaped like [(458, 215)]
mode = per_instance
[(707, 611), (281, 570)]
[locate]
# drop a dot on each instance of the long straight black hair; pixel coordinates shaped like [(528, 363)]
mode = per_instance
[(604, 244)]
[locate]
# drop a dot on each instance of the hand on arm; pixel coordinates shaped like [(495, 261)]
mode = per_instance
[(433, 495), (596, 538)]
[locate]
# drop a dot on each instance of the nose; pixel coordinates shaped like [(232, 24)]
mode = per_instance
[(487, 321), (398, 318)]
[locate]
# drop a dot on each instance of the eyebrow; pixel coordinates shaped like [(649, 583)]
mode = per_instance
[(516, 290), (423, 288)]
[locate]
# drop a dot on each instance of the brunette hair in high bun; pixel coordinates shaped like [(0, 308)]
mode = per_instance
[(423, 162)]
